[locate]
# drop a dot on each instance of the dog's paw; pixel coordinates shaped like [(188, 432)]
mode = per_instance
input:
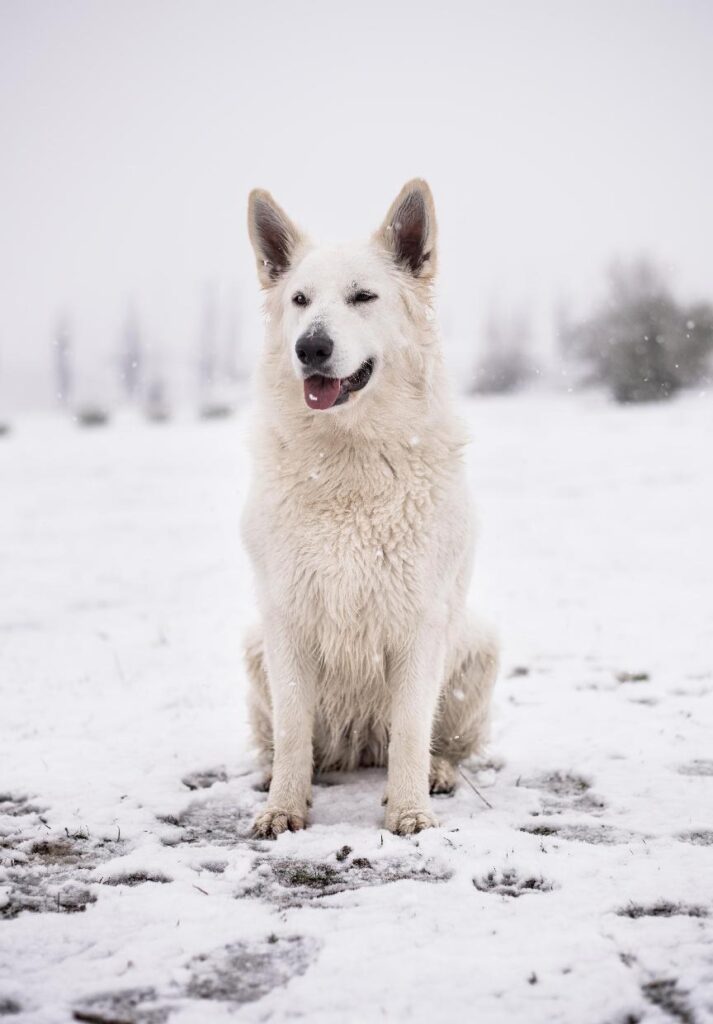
[(410, 820), (442, 778), (272, 822)]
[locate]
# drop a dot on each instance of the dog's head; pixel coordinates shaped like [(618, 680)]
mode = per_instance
[(345, 321)]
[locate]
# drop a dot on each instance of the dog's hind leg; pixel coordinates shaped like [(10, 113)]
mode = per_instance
[(461, 726), (442, 777), (259, 702)]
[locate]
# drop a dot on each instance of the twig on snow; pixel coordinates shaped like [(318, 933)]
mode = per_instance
[(475, 788)]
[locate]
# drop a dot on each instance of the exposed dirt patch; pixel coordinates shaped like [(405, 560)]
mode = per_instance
[(8, 1007), (243, 973), (565, 791), (662, 909), (38, 895), (541, 830), (306, 875), (204, 779), (52, 874), (700, 766), (127, 1006), (511, 883), (292, 882), (212, 823), (594, 835), (699, 837), (136, 878), (632, 677), (16, 806), (216, 867), (56, 851), (239, 973), (20, 821), (562, 784), (665, 993)]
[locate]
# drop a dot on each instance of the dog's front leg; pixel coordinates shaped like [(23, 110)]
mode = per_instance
[(291, 675), (416, 677)]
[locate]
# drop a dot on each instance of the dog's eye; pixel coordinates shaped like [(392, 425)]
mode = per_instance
[(300, 299), (363, 296)]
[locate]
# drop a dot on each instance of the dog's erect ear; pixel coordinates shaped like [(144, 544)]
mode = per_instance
[(409, 231), (273, 235)]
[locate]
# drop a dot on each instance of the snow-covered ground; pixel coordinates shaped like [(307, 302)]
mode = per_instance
[(580, 893)]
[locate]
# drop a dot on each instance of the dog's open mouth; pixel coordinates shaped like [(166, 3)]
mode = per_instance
[(326, 392)]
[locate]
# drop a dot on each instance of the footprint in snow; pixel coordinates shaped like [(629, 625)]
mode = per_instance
[(699, 766), (661, 909), (595, 835), (565, 791), (204, 779), (510, 882), (239, 973), (699, 837)]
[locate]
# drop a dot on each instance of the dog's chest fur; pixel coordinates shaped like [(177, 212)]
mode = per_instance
[(343, 537)]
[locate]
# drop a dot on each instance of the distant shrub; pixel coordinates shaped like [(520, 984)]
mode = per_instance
[(92, 416), (216, 410), (641, 343)]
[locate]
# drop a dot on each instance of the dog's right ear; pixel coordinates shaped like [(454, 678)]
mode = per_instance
[(409, 230), (273, 235)]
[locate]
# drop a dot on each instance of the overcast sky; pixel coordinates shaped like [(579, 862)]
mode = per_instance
[(554, 135)]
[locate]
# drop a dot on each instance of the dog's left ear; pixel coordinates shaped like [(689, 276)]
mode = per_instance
[(409, 230), (273, 235)]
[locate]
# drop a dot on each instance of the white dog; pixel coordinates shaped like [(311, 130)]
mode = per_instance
[(359, 524)]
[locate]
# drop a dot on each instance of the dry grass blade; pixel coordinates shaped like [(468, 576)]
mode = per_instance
[(474, 788)]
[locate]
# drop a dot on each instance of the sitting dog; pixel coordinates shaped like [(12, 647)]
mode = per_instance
[(358, 523)]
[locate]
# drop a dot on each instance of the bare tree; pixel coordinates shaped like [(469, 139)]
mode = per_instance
[(156, 406), (131, 354), (4, 425), (208, 342), (217, 360), (505, 364), (62, 353), (233, 368)]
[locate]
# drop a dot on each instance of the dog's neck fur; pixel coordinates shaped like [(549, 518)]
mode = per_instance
[(369, 444)]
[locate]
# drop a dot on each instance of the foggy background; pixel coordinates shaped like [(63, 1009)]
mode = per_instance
[(557, 137)]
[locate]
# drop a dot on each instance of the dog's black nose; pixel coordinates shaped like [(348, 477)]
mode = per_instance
[(314, 348)]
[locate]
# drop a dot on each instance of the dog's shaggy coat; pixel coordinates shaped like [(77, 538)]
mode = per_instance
[(359, 525)]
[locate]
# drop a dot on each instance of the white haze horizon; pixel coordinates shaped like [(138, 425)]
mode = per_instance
[(555, 136)]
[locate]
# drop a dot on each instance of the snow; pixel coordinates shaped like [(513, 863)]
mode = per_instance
[(584, 893)]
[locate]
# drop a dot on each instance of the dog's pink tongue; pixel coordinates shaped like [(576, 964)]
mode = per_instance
[(321, 392)]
